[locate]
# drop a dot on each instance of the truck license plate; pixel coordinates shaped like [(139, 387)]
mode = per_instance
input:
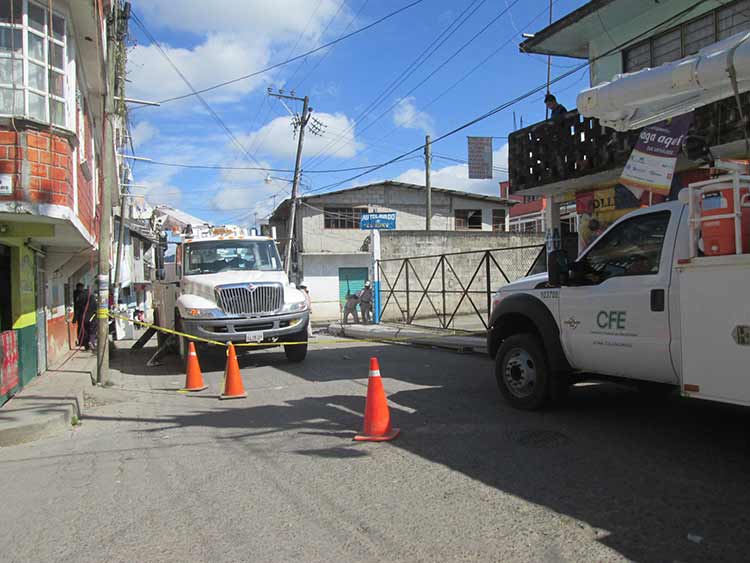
[(254, 337)]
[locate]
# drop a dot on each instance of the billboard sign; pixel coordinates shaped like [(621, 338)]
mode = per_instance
[(384, 221), (480, 158)]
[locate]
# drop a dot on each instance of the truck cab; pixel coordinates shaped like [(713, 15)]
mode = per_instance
[(225, 285), (615, 314)]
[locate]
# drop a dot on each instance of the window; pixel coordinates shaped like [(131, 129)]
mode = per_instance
[(136, 249), (32, 63), (498, 220), (632, 248), (688, 38), (211, 257), (343, 217), (468, 219)]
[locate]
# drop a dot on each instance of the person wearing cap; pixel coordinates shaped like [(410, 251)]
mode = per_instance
[(556, 110), (365, 302), (308, 300)]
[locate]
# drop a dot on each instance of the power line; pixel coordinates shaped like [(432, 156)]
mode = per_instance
[(444, 63), (422, 58), (298, 57), (515, 100), (189, 85)]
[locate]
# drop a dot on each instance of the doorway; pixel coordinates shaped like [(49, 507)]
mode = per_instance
[(6, 302)]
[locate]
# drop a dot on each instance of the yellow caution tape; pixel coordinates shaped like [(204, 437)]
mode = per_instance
[(257, 344)]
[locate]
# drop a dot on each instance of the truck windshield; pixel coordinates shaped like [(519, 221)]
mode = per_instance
[(215, 256)]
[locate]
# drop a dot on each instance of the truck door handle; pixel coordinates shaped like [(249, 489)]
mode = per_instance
[(657, 300)]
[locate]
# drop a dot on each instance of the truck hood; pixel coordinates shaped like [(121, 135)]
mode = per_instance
[(203, 285), (524, 284)]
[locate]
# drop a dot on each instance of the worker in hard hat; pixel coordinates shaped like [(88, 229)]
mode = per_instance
[(308, 300), (350, 308), (365, 302)]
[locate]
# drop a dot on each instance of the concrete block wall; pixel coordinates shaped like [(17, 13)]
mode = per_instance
[(514, 253)]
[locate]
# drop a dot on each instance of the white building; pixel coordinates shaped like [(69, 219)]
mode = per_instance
[(332, 254)]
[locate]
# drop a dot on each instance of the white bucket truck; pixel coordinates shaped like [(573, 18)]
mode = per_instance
[(661, 298), (227, 285)]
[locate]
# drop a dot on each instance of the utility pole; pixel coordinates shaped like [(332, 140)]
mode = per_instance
[(303, 121), (105, 216), (427, 162), (549, 61)]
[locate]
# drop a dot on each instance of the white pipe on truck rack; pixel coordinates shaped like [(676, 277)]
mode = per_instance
[(634, 100)]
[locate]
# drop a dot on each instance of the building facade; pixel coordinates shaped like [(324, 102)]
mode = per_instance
[(575, 159), (53, 82), (333, 255)]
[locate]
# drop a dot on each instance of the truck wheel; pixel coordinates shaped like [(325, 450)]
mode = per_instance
[(296, 353), (182, 342), (522, 373)]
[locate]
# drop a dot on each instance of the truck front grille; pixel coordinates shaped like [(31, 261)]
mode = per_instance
[(250, 299)]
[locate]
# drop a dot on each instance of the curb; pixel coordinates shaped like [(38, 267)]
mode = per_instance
[(59, 419), (461, 344)]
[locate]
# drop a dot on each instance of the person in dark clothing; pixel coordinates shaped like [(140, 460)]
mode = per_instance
[(556, 110), (80, 298), (365, 302)]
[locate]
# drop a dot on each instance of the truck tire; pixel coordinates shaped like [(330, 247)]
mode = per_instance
[(182, 342), (161, 337), (296, 353), (522, 373)]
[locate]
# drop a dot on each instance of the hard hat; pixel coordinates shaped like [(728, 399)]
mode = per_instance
[(367, 283)]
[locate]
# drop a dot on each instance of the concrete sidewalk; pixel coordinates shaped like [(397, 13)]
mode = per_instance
[(50, 403), (412, 335)]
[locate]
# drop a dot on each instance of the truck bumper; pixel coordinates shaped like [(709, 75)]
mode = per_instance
[(237, 329)]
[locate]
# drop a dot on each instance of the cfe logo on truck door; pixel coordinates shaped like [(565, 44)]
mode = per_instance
[(611, 320)]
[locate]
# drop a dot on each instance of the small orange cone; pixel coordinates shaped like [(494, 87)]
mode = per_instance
[(233, 388), (377, 427), (193, 375)]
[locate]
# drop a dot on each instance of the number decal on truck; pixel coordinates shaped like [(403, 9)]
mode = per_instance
[(741, 335)]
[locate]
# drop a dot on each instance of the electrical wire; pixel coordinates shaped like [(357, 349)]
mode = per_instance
[(297, 58), (515, 100)]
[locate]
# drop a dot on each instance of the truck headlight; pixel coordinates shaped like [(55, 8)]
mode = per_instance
[(294, 307), (203, 313)]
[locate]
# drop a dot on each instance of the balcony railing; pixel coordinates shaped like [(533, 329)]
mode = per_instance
[(573, 146)]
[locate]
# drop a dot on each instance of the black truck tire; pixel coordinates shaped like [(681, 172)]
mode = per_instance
[(296, 353), (523, 374)]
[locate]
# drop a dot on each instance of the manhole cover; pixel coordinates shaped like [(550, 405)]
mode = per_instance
[(541, 438)]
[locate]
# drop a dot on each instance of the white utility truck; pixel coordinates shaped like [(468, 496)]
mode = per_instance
[(226, 285), (661, 299)]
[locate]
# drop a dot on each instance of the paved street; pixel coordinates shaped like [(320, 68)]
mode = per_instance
[(154, 475)]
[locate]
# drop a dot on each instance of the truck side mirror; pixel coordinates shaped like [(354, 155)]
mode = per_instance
[(578, 273), (557, 268)]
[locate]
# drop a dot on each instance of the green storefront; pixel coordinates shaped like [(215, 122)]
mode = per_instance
[(18, 304)]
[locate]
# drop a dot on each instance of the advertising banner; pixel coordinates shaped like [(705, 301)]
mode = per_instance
[(480, 158), (386, 221), (652, 163), (597, 210)]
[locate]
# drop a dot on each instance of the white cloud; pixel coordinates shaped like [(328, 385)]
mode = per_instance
[(237, 38), (456, 176), (276, 138), (407, 115), (142, 133)]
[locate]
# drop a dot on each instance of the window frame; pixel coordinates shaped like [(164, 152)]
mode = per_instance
[(50, 39), (335, 217), (467, 226), (499, 227), (585, 258), (718, 35)]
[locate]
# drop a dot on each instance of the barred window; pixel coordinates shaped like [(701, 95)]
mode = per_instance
[(468, 219), (33, 55), (688, 38), (342, 217)]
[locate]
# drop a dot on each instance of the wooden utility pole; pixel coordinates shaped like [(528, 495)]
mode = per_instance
[(105, 215), (303, 120), (427, 183)]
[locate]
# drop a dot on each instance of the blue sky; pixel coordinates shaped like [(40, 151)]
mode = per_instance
[(211, 42)]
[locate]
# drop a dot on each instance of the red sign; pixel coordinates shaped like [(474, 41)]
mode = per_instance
[(9, 366)]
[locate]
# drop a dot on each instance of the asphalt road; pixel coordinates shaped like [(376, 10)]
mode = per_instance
[(154, 475)]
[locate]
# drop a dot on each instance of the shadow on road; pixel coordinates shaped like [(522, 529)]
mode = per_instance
[(646, 474)]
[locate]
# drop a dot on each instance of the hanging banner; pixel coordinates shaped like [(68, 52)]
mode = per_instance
[(480, 158), (651, 164)]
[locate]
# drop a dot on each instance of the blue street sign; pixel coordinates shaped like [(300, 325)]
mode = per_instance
[(386, 221)]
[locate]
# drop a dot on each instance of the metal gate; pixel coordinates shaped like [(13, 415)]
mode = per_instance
[(436, 289)]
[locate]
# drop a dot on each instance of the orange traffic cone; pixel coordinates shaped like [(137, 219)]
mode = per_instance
[(193, 375), (233, 388), (377, 427)]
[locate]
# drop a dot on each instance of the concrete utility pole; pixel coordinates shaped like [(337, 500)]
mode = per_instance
[(105, 216), (549, 62), (428, 185), (303, 121)]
